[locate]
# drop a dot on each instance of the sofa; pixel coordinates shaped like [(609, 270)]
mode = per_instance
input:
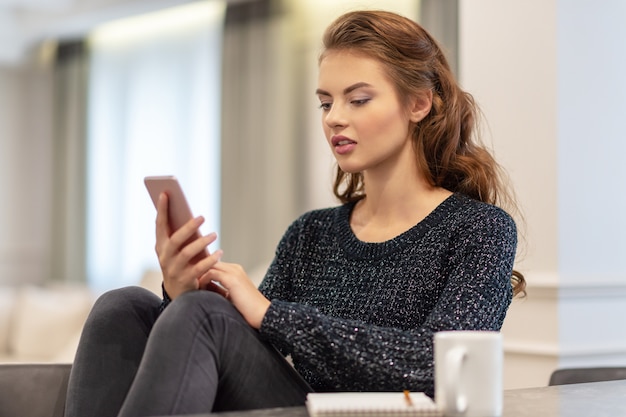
[(40, 328), (33, 390), (42, 323)]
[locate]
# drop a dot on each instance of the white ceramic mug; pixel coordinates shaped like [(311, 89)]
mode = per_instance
[(468, 373)]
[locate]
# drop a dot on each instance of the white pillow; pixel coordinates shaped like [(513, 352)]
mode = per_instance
[(7, 307), (46, 319), (151, 280), (68, 352)]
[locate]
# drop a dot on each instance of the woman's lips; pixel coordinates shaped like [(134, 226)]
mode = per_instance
[(342, 144)]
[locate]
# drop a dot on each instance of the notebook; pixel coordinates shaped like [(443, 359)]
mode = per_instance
[(379, 404)]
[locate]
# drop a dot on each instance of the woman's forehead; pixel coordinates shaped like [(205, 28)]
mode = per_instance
[(338, 69)]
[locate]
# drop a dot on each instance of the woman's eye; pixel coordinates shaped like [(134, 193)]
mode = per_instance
[(360, 101), (325, 106)]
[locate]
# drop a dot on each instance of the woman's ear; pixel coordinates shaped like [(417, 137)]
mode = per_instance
[(421, 105)]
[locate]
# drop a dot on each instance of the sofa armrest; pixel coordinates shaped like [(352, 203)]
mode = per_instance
[(36, 390)]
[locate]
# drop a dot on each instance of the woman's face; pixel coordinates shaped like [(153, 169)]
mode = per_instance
[(364, 122)]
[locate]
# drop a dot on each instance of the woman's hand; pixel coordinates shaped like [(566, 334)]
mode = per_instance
[(181, 260), (241, 291)]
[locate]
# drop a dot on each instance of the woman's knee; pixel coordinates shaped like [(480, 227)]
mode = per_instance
[(199, 308), (202, 302), (201, 318), (118, 303)]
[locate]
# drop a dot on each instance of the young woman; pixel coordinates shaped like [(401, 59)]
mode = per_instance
[(356, 292)]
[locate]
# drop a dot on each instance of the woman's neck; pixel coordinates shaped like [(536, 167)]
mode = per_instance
[(392, 207)]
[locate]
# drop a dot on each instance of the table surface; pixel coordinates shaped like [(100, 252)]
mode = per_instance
[(597, 399)]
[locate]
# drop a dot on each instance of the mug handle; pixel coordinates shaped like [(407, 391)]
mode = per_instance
[(454, 399)]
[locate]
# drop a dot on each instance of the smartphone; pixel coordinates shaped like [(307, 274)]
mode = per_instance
[(179, 211)]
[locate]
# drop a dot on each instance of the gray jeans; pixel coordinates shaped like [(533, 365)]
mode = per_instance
[(199, 355)]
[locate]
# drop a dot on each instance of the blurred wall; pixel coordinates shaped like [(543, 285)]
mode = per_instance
[(549, 77), (25, 172)]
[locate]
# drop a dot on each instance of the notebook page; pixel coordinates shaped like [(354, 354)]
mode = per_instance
[(370, 404)]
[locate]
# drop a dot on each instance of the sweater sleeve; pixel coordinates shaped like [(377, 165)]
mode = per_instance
[(336, 354), (166, 299)]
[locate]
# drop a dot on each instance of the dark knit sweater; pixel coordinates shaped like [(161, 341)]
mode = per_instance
[(359, 316)]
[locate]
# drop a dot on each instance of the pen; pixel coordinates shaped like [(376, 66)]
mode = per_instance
[(407, 398)]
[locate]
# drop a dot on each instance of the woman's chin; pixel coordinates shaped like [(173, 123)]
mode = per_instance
[(349, 168)]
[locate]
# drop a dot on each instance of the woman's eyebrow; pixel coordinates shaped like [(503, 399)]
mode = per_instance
[(320, 92), (346, 90)]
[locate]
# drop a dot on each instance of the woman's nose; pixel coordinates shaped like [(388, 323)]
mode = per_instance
[(335, 116)]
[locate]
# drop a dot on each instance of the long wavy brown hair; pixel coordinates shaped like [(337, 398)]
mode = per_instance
[(447, 147)]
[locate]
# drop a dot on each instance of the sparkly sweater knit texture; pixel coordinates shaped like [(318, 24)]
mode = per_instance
[(358, 316)]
